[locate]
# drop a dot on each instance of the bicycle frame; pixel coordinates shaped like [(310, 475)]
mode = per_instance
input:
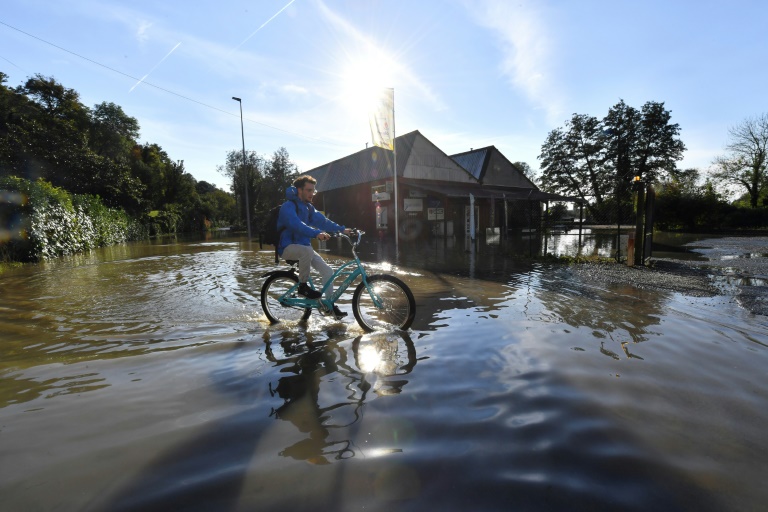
[(291, 297)]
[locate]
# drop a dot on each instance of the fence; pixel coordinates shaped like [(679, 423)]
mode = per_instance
[(611, 228)]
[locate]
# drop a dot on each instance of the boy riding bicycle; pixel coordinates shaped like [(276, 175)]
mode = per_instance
[(298, 223)]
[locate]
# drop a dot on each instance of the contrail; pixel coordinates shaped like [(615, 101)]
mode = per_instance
[(154, 68), (262, 25)]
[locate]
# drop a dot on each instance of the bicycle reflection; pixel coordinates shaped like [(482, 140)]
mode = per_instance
[(378, 363)]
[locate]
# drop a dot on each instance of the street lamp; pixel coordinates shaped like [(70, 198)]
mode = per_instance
[(245, 180)]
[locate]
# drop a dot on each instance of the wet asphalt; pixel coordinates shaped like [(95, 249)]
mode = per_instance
[(734, 266)]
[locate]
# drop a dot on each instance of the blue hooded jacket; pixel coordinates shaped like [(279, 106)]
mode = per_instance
[(301, 222)]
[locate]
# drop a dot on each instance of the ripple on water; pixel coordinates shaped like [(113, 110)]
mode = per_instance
[(532, 389)]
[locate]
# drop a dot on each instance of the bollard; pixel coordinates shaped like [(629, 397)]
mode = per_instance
[(631, 250)]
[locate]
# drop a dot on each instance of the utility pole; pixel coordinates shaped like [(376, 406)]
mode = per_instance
[(245, 180)]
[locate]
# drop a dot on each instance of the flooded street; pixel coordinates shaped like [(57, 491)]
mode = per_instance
[(146, 377)]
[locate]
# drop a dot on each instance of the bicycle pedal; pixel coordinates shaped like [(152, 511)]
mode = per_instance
[(323, 308)]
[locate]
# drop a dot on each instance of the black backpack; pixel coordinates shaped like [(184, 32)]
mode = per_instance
[(271, 234)]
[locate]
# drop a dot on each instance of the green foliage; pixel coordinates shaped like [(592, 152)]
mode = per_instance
[(681, 205), (112, 132), (47, 221), (48, 133), (86, 182), (164, 222), (265, 182), (595, 160), (247, 178), (217, 207), (281, 172)]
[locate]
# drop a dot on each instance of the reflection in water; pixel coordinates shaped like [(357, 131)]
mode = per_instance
[(145, 377), (378, 357), (17, 390)]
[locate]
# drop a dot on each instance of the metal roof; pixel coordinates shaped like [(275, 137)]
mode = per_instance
[(474, 161), (492, 168), (417, 157), (423, 165), (369, 165)]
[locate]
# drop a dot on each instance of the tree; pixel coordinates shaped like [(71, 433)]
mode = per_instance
[(281, 172), (747, 158), (10, 139), (58, 102), (148, 163), (217, 205), (573, 160), (113, 133), (203, 187), (50, 136), (248, 177), (179, 186), (524, 168), (47, 133), (658, 146), (596, 159)]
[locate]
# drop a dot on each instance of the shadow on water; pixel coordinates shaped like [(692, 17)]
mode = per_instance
[(536, 389), (209, 470), (554, 449)]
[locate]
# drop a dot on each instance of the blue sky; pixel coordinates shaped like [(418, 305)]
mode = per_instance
[(467, 74)]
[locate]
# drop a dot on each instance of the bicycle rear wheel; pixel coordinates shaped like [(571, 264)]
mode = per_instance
[(397, 307), (275, 287)]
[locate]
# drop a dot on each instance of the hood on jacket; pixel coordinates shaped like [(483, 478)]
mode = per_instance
[(292, 194)]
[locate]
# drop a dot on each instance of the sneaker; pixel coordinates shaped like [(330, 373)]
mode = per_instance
[(306, 291), (338, 313)]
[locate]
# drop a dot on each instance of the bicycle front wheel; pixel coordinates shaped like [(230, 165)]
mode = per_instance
[(277, 286), (393, 306)]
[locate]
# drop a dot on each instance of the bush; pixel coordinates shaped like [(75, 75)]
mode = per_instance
[(45, 221)]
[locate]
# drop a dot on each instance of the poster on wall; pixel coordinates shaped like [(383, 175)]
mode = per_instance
[(413, 205)]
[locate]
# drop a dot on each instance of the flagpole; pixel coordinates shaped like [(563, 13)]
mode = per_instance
[(394, 151)]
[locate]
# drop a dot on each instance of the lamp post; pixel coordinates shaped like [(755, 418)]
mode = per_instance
[(639, 187), (245, 180)]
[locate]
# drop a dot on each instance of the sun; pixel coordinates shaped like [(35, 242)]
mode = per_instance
[(363, 80)]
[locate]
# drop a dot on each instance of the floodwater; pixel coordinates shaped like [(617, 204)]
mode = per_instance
[(145, 377)]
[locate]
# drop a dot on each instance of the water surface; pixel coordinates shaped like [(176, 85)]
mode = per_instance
[(145, 377)]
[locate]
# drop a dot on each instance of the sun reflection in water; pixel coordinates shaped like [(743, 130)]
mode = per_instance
[(370, 359)]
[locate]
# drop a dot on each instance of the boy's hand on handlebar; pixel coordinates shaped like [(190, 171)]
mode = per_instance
[(326, 236)]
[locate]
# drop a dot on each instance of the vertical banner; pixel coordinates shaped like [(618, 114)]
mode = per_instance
[(381, 120)]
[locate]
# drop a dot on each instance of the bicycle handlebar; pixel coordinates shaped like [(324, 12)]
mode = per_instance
[(341, 234)]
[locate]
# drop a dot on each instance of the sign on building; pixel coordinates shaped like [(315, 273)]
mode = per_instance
[(413, 205), (435, 213)]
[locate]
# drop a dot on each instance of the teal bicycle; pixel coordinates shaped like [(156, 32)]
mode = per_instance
[(380, 302)]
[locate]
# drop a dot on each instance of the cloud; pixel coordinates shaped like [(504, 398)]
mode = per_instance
[(142, 31), (527, 48), (295, 89)]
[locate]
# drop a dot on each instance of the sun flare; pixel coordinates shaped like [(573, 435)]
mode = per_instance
[(363, 80)]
